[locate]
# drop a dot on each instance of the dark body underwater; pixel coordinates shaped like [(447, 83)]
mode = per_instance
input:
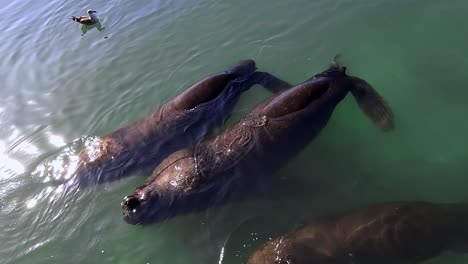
[(384, 233), (179, 123), (206, 174)]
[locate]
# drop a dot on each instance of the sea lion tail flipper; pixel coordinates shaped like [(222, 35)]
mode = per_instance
[(372, 104), (269, 81), (243, 68)]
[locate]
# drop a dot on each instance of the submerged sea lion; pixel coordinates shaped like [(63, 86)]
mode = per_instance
[(179, 123), (205, 174), (388, 233)]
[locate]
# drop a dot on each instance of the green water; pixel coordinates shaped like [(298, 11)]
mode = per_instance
[(59, 87)]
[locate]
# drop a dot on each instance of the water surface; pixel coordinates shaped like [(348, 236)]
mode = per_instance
[(60, 89)]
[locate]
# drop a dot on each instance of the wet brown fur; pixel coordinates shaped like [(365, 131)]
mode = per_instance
[(166, 125), (387, 233)]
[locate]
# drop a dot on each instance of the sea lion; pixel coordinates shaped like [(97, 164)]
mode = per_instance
[(205, 174), (386, 233), (179, 123)]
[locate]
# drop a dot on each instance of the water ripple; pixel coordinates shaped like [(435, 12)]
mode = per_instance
[(59, 86)]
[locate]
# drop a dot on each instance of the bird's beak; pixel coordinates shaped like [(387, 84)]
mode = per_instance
[(92, 11)]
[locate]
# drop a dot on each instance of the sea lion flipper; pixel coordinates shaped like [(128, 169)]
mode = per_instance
[(270, 82), (243, 68), (372, 104)]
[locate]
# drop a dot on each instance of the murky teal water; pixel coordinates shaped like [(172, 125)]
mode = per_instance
[(60, 88)]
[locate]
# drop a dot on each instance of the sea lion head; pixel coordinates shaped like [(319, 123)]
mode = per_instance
[(146, 206), (142, 205), (155, 203), (173, 189)]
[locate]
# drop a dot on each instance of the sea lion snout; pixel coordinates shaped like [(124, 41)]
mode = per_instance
[(140, 208), (129, 204)]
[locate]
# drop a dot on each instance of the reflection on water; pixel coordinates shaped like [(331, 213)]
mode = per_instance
[(27, 201), (56, 141), (63, 166), (31, 203), (9, 167), (86, 28)]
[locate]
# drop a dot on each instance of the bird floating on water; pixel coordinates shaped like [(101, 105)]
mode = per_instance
[(90, 19)]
